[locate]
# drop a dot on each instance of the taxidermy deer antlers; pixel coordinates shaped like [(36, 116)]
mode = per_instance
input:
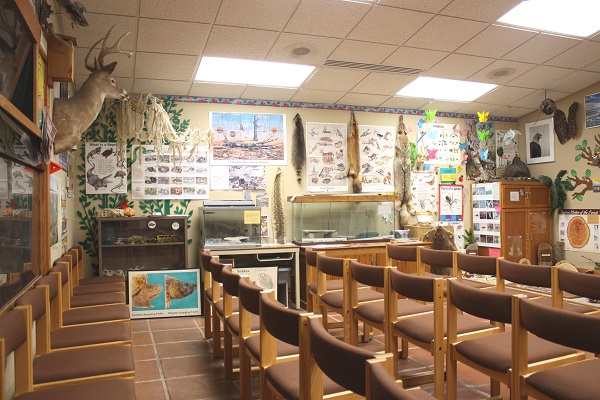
[(74, 115)]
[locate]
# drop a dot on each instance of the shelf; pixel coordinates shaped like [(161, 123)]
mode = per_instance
[(143, 244)]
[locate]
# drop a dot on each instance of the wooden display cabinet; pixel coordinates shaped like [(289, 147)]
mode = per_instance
[(155, 242)]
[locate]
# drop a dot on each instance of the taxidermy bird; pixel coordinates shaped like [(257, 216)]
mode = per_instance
[(402, 167), (75, 10), (298, 147), (565, 128), (516, 169)]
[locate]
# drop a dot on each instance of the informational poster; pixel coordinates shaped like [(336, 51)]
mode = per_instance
[(439, 143), (265, 277), (507, 147), (486, 216), (326, 157), (424, 190), (377, 148), (247, 177), (21, 179), (580, 229), (248, 138), (4, 180), (54, 210), (102, 175), (167, 176), (451, 203), (459, 232)]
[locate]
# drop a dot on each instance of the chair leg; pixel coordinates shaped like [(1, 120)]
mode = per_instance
[(228, 354), (495, 388), (451, 375), (353, 331), (245, 374), (309, 301), (216, 325), (438, 373), (208, 333)]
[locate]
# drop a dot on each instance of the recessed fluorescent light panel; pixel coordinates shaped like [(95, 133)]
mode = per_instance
[(251, 72), (445, 89), (577, 18)]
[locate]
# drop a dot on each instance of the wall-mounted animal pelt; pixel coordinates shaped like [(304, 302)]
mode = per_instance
[(565, 128), (74, 115)]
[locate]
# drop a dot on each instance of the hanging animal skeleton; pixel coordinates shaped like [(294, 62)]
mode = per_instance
[(354, 155), (278, 211), (565, 128), (298, 147), (402, 167)]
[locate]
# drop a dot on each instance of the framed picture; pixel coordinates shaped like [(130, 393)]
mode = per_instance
[(451, 203), (539, 137), (164, 293), (592, 110)]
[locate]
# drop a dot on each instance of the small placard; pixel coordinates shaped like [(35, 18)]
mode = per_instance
[(384, 209), (251, 217), (493, 252), (514, 196)]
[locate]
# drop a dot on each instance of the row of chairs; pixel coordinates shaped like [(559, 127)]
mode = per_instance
[(68, 338)]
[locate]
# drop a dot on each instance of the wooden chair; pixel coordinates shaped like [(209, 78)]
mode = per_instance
[(381, 383), (404, 255), (465, 264), (579, 331), (339, 301), (92, 280), (577, 283), (226, 306), (92, 288), (440, 262), (207, 297), (427, 330), (493, 351)]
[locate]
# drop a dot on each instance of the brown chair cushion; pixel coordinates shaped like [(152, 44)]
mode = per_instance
[(513, 291), (332, 284), (102, 288), (384, 385), (374, 311), (233, 322), (113, 312), (284, 377), (95, 280), (494, 351), (577, 380), (121, 389), (475, 284), (82, 363), (283, 349), (336, 299), (235, 306), (577, 308), (87, 300), (421, 327), (73, 336)]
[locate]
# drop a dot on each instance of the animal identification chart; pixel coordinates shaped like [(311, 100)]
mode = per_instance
[(580, 230), (102, 176), (451, 203), (21, 180), (167, 176), (247, 177), (439, 143), (377, 147), (486, 217), (326, 157), (424, 190)]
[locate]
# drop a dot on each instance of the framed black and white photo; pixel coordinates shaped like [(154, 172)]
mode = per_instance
[(539, 138), (592, 110)]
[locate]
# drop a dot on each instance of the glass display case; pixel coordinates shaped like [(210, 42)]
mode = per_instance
[(348, 218), (229, 226), (154, 242)]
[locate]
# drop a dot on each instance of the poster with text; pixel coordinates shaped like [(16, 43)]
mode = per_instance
[(377, 148), (102, 175), (486, 216), (424, 190), (167, 176), (21, 180), (326, 157), (439, 143), (248, 138), (580, 230), (247, 177), (451, 203)]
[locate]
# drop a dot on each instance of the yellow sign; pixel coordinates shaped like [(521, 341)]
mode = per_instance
[(251, 217)]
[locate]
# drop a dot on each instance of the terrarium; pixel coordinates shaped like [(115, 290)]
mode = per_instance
[(227, 225)]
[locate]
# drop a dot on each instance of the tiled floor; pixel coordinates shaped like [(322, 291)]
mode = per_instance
[(173, 361)]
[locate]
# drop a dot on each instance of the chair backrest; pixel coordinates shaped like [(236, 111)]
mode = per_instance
[(52, 282), (401, 253), (80, 266), (381, 384), (485, 304), (74, 258), (585, 285), (279, 321), (215, 270), (15, 339), (370, 275), (37, 300), (330, 265), (525, 274), (415, 287), (440, 261), (311, 257), (474, 264), (62, 268), (341, 362), (249, 295), (230, 280)]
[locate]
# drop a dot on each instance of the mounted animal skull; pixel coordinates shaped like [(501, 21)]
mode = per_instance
[(74, 115)]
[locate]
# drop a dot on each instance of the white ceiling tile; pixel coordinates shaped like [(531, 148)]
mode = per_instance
[(266, 14), (183, 10), (381, 83), (320, 49), (535, 99), (156, 86), (474, 107), (576, 81), (501, 71), (317, 96), (458, 66), (265, 93), (122, 7), (515, 112), (411, 57), (445, 33), (336, 79), (226, 41), (442, 106), (361, 99), (594, 67), (577, 57), (329, 18), (124, 64), (99, 24), (155, 36), (165, 66), (495, 41), (202, 89), (407, 103), (505, 95), (480, 10), (381, 25), (363, 52), (125, 83), (540, 77), (432, 6), (541, 48)]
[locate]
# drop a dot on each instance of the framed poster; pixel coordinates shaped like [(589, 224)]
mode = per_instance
[(450, 203), (539, 137), (327, 160), (580, 229), (164, 293)]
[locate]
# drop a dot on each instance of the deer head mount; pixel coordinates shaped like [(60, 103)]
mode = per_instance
[(74, 115)]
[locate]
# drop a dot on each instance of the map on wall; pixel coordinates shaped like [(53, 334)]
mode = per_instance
[(326, 157), (377, 148), (580, 230), (102, 175), (439, 143), (248, 138), (167, 176)]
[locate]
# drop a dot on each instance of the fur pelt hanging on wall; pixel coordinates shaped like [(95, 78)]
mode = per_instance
[(565, 128), (402, 172), (298, 147), (354, 156), (278, 211)]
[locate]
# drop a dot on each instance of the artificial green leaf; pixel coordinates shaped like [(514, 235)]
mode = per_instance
[(578, 157), (584, 143), (578, 147), (579, 197), (588, 173)]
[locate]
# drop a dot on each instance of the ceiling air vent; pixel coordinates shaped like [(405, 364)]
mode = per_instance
[(373, 67)]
